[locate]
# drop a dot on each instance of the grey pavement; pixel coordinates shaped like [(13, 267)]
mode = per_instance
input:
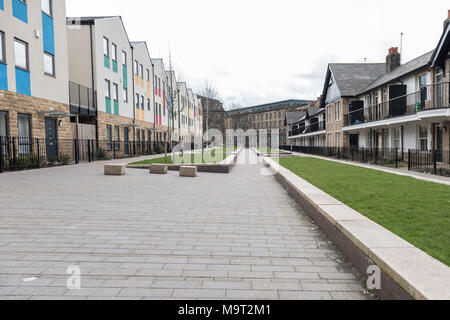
[(141, 236)]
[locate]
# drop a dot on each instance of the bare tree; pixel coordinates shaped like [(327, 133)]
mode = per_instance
[(210, 103)]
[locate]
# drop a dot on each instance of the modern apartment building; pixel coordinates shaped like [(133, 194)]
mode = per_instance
[(34, 81), (144, 96), (161, 104), (101, 73), (342, 84), (307, 127), (407, 107)]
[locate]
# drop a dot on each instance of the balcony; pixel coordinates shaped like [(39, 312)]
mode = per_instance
[(83, 100), (302, 129), (428, 98)]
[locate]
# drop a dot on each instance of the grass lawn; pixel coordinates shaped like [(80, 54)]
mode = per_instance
[(207, 157), (416, 210), (267, 151)]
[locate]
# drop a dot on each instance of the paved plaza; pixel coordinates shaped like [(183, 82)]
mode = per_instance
[(141, 236)]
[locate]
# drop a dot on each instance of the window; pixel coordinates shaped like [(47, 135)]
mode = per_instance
[(136, 67), (2, 48), (3, 124), (21, 54), (142, 103), (148, 75), (125, 95), (396, 138), (24, 128), (124, 58), (49, 64), (137, 101), (108, 137), (423, 138), (142, 71), (116, 138), (148, 104), (47, 7), (114, 52), (107, 89), (115, 92), (106, 46), (422, 81)]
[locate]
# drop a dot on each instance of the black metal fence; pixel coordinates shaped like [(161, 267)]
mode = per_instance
[(435, 162), (17, 153), (384, 157)]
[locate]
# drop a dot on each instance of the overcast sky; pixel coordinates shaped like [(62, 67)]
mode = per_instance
[(259, 51)]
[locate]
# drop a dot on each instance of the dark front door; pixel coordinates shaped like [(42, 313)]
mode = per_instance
[(51, 139), (354, 141), (126, 141)]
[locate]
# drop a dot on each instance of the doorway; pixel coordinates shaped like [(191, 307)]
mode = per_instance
[(51, 141), (126, 143)]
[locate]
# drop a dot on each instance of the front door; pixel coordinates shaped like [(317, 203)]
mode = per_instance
[(51, 141), (126, 141), (354, 141), (439, 143)]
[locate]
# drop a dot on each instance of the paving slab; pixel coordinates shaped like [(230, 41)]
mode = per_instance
[(235, 236)]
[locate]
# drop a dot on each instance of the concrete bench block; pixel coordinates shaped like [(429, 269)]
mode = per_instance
[(159, 169), (187, 171), (115, 169)]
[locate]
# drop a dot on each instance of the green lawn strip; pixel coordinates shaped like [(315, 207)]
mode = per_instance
[(189, 158), (416, 210), (267, 151)]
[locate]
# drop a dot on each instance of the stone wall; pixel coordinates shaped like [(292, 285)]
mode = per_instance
[(15, 104)]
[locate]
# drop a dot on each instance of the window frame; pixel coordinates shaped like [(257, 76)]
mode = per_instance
[(423, 139), (115, 89), (107, 53), (50, 4), (113, 51), (125, 94), (53, 64), (3, 47), (108, 89), (109, 141), (124, 58), (27, 56), (6, 115)]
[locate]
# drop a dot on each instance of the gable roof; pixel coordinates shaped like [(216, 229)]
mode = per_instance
[(404, 69), (442, 50), (352, 78)]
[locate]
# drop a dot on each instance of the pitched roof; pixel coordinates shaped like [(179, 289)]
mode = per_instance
[(352, 78), (443, 47), (294, 117), (404, 69)]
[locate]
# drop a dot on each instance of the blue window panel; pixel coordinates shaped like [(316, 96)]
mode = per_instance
[(48, 33), (23, 82), (3, 77), (2, 6), (20, 10)]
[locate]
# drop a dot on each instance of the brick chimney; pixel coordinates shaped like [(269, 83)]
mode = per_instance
[(392, 60), (447, 21)]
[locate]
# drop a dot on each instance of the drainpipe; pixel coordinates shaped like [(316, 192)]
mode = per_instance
[(154, 102), (134, 96), (92, 78)]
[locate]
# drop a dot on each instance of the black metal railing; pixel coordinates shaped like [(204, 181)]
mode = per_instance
[(19, 153), (435, 162), (379, 156), (434, 96), (303, 129), (83, 100)]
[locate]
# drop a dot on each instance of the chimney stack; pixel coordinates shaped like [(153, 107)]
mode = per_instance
[(393, 59)]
